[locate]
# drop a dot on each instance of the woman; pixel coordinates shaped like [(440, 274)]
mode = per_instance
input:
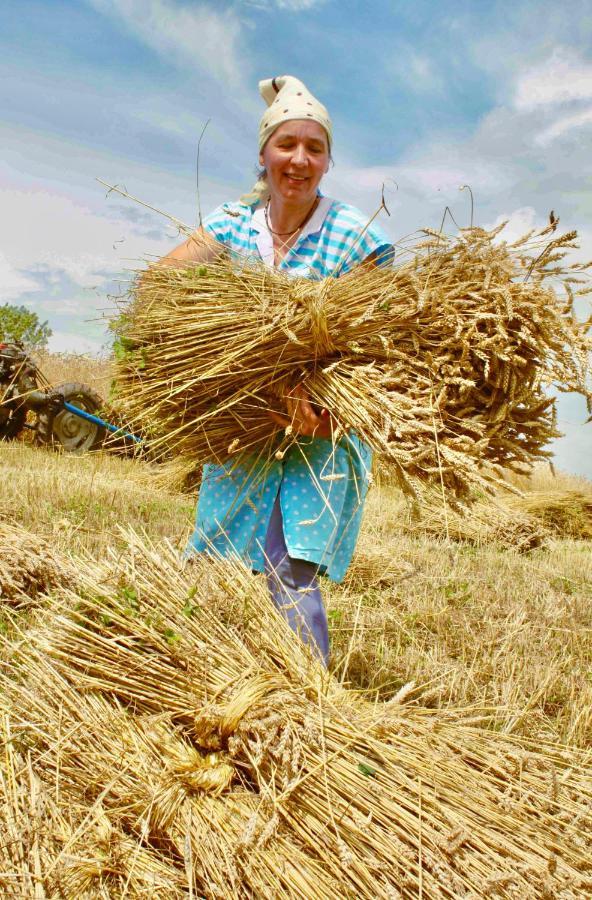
[(298, 516)]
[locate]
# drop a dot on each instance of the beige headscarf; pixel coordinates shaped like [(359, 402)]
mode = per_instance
[(287, 98)]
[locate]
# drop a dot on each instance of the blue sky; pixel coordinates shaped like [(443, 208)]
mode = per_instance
[(424, 95)]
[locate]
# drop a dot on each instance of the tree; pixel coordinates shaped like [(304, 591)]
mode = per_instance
[(17, 323)]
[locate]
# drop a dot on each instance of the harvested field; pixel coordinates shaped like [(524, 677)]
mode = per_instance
[(468, 622), (78, 503), (161, 729), (64, 367), (168, 716)]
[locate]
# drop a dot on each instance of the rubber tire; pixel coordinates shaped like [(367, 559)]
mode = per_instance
[(11, 429), (48, 421)]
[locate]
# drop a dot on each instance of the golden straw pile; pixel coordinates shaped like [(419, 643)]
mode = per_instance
[(165, 735), (503, 522), (441, 363), (566, 513), (28, 567)]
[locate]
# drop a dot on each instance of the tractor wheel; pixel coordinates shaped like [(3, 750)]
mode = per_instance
[(15, 423), (64, 428)]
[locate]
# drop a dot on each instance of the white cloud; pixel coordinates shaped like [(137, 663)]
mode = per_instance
[(13, 283), (289, 5), (58, 305), (414, 71), (449, 170), (563, 125), (562, 78), (71, 258), (69, 342), (572, 452), (298, 5), (195, 36), (65, 238), (418, 188), (520, 221)]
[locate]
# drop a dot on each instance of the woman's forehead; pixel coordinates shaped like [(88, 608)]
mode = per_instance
[(301, 128)]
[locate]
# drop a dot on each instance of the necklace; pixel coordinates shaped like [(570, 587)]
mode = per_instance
[(300, 227)]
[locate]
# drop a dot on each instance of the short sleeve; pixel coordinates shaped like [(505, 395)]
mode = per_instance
[(359, 239), (376, 243), (219, 223)]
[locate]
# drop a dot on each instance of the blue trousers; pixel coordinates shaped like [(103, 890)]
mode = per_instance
[(294, 588)]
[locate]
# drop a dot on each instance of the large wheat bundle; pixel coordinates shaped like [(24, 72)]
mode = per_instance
[(442, 363), (184, 744)]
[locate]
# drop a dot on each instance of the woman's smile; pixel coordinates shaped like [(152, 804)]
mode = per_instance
[(296, 180)]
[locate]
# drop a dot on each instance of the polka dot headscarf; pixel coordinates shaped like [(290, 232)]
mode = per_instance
[(287, 98)]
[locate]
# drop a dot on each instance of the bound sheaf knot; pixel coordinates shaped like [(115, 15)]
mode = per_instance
[(261, 726), (312, 297), (187, 767)]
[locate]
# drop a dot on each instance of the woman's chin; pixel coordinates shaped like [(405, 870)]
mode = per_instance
[(296, 194)]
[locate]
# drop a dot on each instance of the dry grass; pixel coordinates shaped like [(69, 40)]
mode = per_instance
[(441, 364), (470, 620), (188, 742), (79, 502), (467, 622), (62, 367), (28, 567), (161, 732)]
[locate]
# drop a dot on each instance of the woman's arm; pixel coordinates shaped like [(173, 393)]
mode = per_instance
[(199, 247)]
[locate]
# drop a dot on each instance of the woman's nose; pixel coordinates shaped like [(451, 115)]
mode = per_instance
[(299, 155)]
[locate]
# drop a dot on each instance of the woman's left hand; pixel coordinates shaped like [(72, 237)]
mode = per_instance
[(302, 416)]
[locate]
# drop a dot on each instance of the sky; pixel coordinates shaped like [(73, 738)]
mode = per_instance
[(425, 96)]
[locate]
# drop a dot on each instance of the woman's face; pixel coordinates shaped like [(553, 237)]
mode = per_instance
[(296, 157)]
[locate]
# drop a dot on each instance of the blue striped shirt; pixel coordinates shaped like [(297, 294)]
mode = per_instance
[(322, 488), (333, 241)]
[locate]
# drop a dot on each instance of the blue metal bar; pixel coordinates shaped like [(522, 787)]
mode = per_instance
[(95, 419)]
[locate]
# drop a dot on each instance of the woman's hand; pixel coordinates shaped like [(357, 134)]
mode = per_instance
[(303, 418)]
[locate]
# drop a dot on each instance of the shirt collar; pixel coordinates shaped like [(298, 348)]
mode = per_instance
[(264, 239)]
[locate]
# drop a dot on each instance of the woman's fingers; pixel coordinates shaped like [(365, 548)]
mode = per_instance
[(303, 418), (279, 420), (301, 408)]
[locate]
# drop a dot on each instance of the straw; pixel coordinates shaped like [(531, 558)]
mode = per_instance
[(170, 705), (442, 364)]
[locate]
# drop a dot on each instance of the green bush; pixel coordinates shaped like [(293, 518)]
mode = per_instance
[(17, 323)]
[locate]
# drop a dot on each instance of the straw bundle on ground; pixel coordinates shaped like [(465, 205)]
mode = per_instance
[(181, 732), (28, 566), (371, 567), (567, 513), (483, 522), (52, 849), (441, 363)]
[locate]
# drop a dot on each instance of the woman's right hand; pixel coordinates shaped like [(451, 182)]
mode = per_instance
[(302, 417)]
